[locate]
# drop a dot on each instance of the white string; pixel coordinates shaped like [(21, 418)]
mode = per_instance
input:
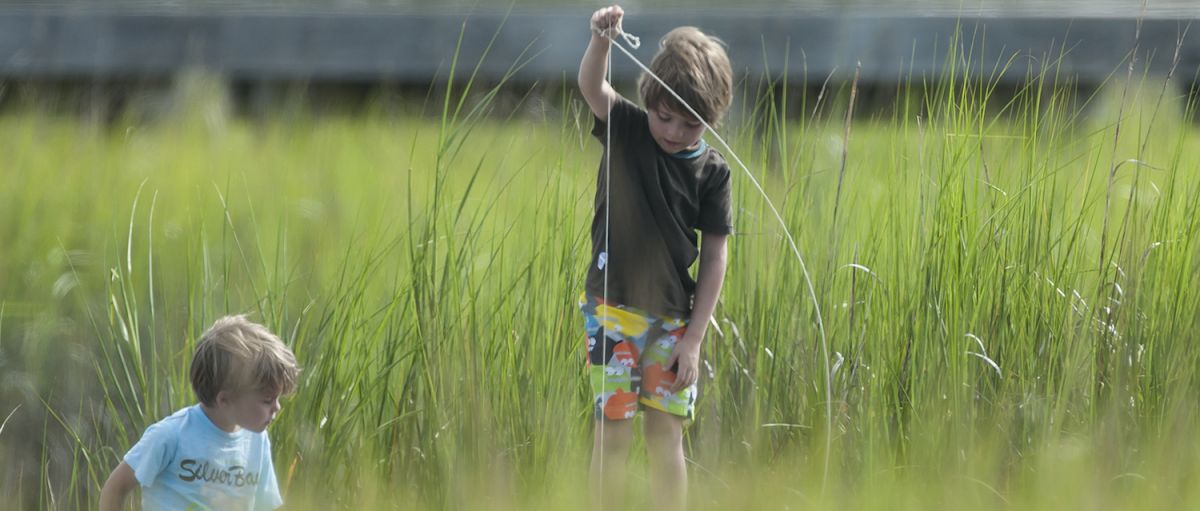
[(603, 340), (634, 42), (791, 241)]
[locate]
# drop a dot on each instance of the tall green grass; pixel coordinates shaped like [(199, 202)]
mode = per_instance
[(1008, 294)]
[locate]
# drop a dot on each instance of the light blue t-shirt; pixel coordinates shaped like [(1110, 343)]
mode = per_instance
[(186, 462)]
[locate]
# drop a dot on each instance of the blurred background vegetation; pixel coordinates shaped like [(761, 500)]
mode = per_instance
[(1006, 294)]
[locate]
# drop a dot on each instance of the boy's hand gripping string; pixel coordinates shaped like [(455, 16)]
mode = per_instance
[(615, 31)]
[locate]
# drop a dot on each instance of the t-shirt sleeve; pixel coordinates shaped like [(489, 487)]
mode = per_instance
[(716, 216), (268, 496), (622, 113), (152, 453)]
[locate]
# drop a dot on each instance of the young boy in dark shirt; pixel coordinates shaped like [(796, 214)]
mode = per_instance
[(645, 317)]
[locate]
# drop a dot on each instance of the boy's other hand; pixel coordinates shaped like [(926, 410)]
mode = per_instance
[(687, 355), (606, 19)]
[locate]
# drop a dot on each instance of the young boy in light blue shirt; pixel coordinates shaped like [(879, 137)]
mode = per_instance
[(215, 454)]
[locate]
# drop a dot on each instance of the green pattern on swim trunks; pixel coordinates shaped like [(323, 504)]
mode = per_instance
[(627, 351)]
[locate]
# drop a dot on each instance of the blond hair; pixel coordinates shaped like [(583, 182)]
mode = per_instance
[(238, 355), (696, 67)]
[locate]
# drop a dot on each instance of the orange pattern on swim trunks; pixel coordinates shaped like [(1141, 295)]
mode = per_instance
[(656, 378), (620, 405), (626, 353)]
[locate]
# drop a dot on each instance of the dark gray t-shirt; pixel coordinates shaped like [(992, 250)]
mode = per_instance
[(658, 202)]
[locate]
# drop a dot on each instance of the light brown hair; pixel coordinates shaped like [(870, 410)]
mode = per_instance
[(696, 67), (238, 355)]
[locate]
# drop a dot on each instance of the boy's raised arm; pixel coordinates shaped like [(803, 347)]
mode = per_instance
[(595, 89), (119, 484)]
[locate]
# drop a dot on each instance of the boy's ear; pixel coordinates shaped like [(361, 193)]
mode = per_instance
[(222, 398)]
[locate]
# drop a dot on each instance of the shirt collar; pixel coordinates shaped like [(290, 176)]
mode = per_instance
[(687, 155)]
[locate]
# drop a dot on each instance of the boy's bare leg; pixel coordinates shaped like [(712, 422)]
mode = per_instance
[(664, 450), (610, 451)]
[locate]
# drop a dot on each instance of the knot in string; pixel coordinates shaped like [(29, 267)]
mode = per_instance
[(617, 31)]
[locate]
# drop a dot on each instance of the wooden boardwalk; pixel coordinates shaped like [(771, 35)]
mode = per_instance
[(399, 47)]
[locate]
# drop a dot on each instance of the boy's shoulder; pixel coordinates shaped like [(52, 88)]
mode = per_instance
[(713, 165), (157, 446), (715, 158), (169, 429), (176, 421), (628, 119), (625, 107)]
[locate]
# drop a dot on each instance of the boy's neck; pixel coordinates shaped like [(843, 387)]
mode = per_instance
[(219, 419)]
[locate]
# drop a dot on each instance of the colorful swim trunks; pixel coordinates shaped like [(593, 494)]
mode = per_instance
[(627, 349)]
